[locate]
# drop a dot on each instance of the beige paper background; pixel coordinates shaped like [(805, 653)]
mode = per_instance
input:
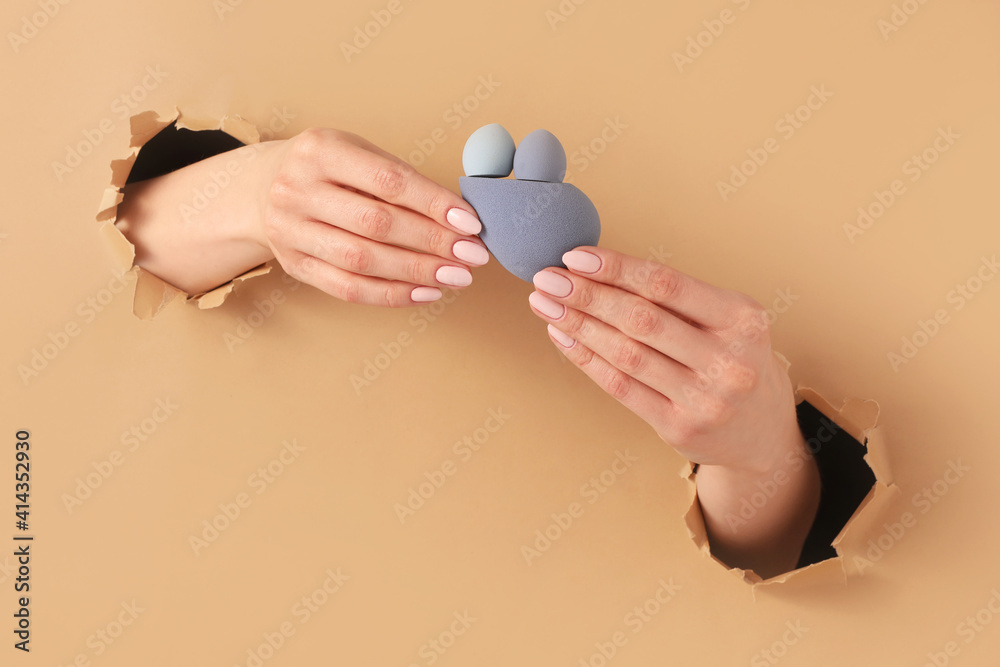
[(655, 187)]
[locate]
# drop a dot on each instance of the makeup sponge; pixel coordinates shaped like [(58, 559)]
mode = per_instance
[(528, 222), (528, 225), (539, 157), (489, 152)]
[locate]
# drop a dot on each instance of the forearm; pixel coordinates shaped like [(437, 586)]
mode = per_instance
[(196, 228), (759, 519)]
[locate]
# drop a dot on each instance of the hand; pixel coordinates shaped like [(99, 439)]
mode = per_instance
[(362, 225), (337, 212), (695, 362)]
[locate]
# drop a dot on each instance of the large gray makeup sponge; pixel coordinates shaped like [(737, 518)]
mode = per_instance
[(539, 157), (528, 225), (489, 151)]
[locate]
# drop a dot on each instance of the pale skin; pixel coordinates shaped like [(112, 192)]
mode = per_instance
[(691, 359)]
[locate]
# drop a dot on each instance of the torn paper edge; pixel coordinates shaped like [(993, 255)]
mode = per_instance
[(860, 419), (151, 293)]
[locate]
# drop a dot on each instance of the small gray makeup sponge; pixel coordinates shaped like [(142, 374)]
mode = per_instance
[(540, 157), (528, 225), (489, 151)]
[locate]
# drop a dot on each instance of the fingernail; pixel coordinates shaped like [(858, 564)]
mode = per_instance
[(582, 261), (425, 294), (546, 306), (470, 252), (553, 283), (560, 337), (454, 275), (464, 221)]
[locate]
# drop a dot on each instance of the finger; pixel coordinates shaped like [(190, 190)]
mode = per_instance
[(354, 288), (397, 183), (385, 223), (706, 305), (651, 406), (362, 256), (637, 360), (634, 316)]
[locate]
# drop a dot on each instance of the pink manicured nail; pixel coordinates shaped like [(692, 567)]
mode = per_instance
[(582, 261), (561, 338), (553, 283), (425, 294), (470, 252), (454, 275), (464, 221), (546, 306)]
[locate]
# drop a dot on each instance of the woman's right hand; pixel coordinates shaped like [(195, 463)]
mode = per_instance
[(341, 214)]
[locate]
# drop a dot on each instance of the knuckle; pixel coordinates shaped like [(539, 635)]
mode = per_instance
[(341, 135), (713, 410), (584, 356), (349, 291), (375, 221), (618, 384), (664, 284), (388, 297), (414, 271), (642, 320), (310, 141), (358, 259), (282, 191), (438, 205), (628, 356), (637, 272), (436, 240), (305, 266), (742, 379), (576, 326), (752, 320), (390, 180), (612, 269), (586, 297)]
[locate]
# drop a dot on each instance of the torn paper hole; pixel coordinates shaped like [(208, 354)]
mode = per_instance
[(858, 418), (151, 293)]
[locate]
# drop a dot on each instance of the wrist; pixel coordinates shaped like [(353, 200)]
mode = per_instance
[(769, 438), (787, 457), (758, 519), (264, 161)]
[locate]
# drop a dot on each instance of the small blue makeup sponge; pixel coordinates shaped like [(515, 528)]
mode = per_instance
[(540, 157), (528, 225), (489, 152)]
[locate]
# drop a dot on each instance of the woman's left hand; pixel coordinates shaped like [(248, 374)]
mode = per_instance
[(695, 362)]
